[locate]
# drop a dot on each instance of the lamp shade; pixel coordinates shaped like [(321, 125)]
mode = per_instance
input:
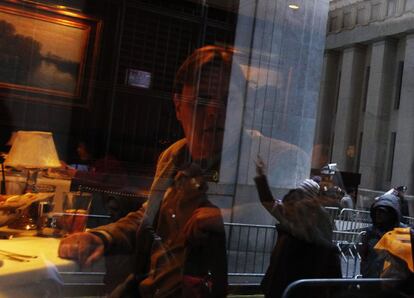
[(33, 150)]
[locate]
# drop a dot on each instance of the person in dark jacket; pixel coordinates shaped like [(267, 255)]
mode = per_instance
[(385, 214), (304, 246), (177, 237)]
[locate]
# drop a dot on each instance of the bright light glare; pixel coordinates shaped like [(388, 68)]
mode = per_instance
[(294, 6)]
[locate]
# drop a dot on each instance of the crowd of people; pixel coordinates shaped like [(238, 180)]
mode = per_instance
[(177, 238)]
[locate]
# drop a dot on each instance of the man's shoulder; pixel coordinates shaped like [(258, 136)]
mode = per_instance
[(275, 145), (208, 204), (287, 163)]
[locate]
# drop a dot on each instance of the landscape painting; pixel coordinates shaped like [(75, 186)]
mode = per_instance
[(43, 52)]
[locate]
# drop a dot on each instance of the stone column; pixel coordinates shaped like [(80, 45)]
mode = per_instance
[(279, 103), (404, 148), (376, 119), (326, 109), (348, 110)]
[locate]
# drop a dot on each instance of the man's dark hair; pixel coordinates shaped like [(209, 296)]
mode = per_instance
[(202, 59)]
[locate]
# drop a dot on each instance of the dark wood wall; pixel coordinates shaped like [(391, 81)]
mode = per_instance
[(134, 124)]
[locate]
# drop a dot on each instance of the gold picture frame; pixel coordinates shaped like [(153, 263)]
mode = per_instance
[(48, 53)]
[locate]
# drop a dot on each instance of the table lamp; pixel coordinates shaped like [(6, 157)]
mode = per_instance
[(32, 151)]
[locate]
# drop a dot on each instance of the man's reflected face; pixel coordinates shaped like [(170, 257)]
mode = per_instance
[(201, 110)]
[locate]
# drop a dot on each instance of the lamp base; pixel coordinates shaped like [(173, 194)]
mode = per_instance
[(31, 180), (24, 222), (27, 220)]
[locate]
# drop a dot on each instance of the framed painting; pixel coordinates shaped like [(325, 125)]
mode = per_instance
[(47, 53)]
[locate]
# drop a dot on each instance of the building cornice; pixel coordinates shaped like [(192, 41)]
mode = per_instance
[(360, 21), (337, 4), (371, 32)]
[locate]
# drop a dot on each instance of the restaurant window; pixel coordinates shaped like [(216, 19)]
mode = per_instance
[(168, 144)]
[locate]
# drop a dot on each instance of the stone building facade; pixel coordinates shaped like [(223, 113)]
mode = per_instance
[(366, 105)]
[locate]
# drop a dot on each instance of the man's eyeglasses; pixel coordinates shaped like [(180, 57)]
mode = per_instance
[(205, 102)]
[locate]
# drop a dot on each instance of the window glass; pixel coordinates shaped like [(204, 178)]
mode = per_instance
[(203, 148)]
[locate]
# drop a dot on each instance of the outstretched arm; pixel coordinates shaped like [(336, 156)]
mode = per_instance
[(262, 186), (265, 195), (274, 207), (88, 247)]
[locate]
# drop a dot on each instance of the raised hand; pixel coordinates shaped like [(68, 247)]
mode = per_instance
[(260, 166)]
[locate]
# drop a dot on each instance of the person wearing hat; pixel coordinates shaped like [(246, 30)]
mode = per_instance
[(304, 246), (386, 215)]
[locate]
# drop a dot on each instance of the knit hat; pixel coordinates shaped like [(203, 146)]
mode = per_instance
[(317, 179), (309, 187)]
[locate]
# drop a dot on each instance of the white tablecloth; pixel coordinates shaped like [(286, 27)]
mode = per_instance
[(44, 276)]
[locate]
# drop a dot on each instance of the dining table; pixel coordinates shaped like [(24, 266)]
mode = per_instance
[(30, 267)]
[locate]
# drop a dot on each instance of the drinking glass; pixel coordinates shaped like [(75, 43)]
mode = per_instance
[(76, 207)]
